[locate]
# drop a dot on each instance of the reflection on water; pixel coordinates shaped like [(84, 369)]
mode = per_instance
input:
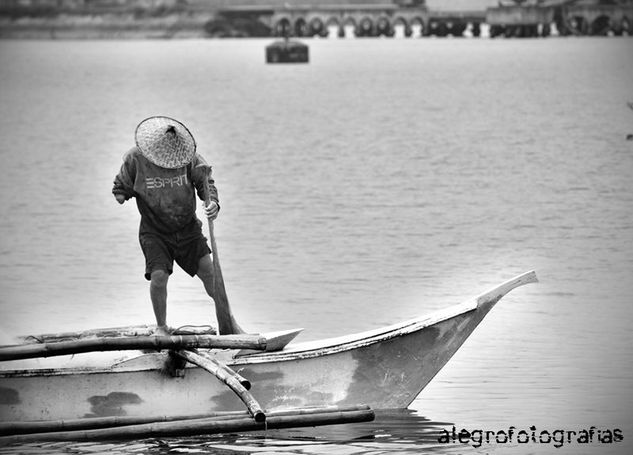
[(398, 431)]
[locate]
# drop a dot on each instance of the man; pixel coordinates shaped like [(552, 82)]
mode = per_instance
[(163, 172)]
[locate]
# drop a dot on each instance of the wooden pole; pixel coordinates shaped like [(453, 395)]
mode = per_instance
[(214, 425), (29, 351), (47, 426), (52, 426), (228, 377), (241, 379), (224, 315), (126, 331)]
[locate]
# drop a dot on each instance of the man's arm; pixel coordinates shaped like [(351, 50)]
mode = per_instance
[(123, 188), (201, 172)]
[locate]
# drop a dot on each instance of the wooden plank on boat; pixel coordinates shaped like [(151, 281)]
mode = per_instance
[(275, 341), (228, 377), (275, 420), (132, 343)]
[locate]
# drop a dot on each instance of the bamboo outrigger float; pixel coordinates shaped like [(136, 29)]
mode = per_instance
[(137, 394)]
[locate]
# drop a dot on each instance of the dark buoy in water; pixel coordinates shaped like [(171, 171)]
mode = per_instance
[(287, 51)]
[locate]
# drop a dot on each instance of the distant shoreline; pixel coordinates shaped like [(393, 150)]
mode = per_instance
[(105, 27), (204, 24)]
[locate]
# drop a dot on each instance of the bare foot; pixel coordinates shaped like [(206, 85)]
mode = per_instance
[(162, 331)]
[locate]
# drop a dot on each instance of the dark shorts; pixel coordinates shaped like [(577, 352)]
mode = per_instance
[(186, 247)]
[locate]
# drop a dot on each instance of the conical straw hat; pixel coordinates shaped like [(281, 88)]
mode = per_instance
[(165, 142)]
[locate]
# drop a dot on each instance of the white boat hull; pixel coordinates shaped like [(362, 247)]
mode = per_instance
[(384, 369)]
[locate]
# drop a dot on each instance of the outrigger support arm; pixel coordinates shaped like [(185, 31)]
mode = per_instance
[(228, 377)]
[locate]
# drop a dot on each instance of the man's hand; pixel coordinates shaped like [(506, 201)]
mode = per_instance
[(119, 198), (211, 210)]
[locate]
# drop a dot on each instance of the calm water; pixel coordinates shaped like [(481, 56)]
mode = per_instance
[(384, 180)]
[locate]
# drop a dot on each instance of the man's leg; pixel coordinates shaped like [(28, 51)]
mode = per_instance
[(226, 322), (158, 294), (158, 265)]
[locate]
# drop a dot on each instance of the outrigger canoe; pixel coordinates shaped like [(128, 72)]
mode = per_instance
[(379, 369)]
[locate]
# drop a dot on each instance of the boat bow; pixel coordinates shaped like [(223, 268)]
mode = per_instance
[(482, 303)]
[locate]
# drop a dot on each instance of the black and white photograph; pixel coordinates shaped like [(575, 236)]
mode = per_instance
[(310, 227)]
